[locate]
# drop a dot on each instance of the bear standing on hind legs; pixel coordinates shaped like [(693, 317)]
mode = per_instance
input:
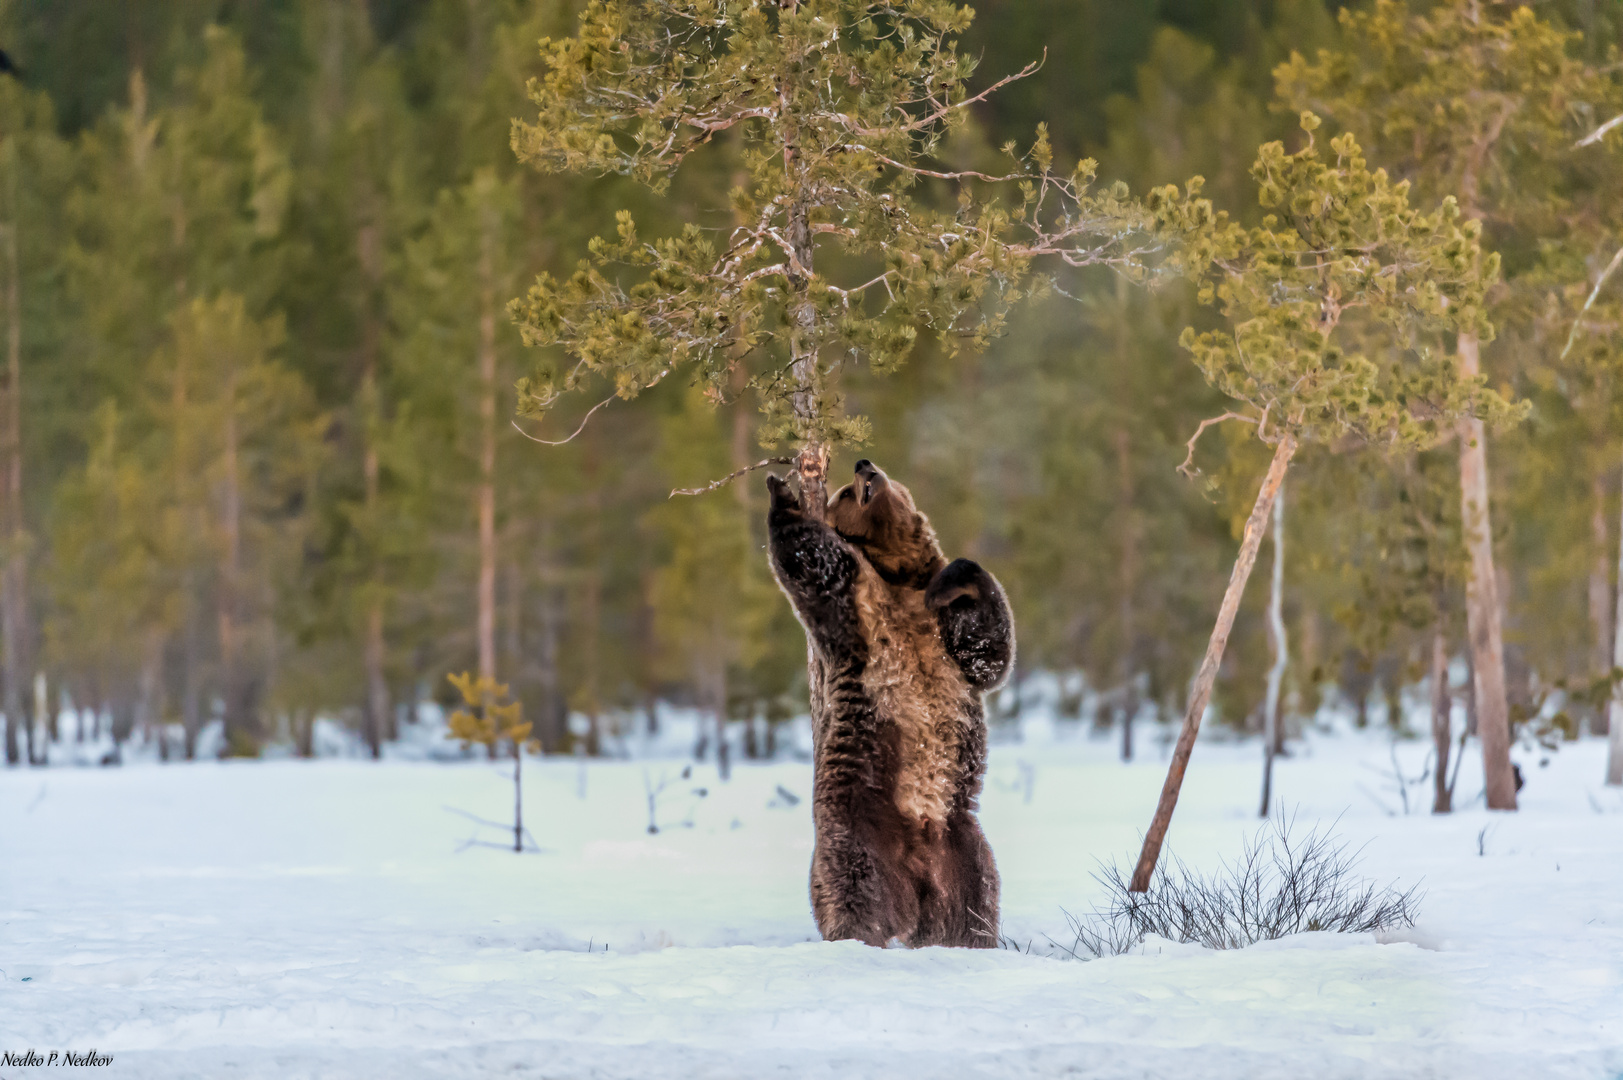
[(901, 644)]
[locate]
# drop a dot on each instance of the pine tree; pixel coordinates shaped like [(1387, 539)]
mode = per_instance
[(1340, 265), (34, 164), (1476, 101), (842, 106)]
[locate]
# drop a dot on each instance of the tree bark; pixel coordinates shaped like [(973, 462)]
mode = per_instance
[(240, 731), (1614, 709), (1442, 709), (1278, 643), (12, 577), (150, 699), (1600, 574), (1201, 692), (487, 446), (374, 648), (1482, 601), (812, 461), (14, 580), (1127, 670)]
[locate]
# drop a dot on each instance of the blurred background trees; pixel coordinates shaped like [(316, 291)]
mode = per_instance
[(258, 398)]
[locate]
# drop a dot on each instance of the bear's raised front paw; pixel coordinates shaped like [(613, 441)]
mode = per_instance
[(785, 503), (961, 579)]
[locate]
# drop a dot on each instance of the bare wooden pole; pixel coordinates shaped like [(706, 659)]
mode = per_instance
[(1201, 692)]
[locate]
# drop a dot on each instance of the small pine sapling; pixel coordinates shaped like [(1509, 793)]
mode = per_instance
[(1340, 260), (494, 722)]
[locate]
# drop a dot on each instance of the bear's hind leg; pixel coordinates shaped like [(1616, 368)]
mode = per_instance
[(856, 893), (959, 898)]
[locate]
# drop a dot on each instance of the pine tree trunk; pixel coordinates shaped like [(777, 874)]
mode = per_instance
[(1600, 575), (1281, 650), (368, 240), (14, 578), (10, 637), (487, 449), (1614, 709), (1127, 580), (518, 795), (812, 461), (151, 692), (1482, 601), (1201, 692), (553, 725), (373, 656), (191, 708), (1442, 709), (240, 733)]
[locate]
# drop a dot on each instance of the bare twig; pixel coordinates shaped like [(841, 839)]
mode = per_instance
[(1593, 293), (1189, 459), (577, 431), (1599, 133), (730, 477)]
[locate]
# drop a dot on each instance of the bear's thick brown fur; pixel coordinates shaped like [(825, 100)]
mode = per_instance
[(901, 645)]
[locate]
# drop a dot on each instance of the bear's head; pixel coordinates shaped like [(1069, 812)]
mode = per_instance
[(877, 514)]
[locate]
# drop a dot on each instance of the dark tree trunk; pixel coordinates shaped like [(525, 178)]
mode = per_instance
[(1442, 706)]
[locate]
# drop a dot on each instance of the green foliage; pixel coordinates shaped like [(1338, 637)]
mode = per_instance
[(1341, 241), (336, 170), (841, 106)]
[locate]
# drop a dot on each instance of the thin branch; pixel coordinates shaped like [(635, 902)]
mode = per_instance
[(730, 477), (1189, 459), (1604, 274), (1599, 133), (943, 110), (560, 442)]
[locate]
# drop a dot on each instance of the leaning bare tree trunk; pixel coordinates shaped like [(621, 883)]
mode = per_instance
[(1201, 692), (1614, 710), (1276, 639), (1442, 711), (1482, 601)]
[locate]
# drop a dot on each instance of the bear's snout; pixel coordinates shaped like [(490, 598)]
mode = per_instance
[(873, 481)]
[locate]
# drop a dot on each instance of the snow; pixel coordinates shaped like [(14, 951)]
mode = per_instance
[(301, 919)]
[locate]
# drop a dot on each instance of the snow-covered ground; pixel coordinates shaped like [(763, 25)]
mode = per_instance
[(293, 919)]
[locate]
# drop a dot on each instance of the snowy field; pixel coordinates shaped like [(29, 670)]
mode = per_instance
[(330, 919)]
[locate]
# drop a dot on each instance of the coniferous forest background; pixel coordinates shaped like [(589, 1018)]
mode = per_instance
[(259, 459)]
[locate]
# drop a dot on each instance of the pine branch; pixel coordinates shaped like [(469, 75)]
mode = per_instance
[(730, 477)]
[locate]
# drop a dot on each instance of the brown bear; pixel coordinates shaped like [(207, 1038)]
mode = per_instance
[(901, 645)]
